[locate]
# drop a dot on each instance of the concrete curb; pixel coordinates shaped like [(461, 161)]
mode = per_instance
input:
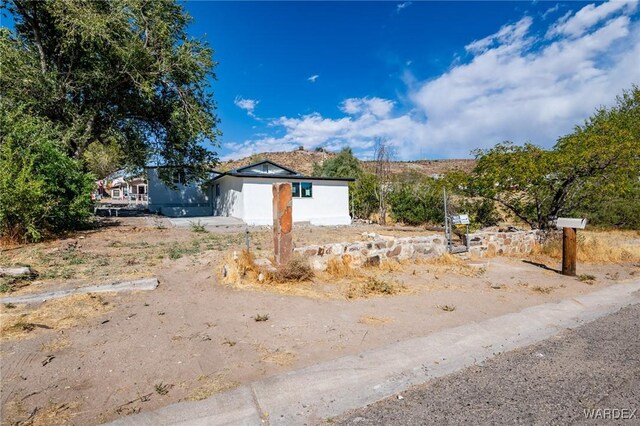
[(145, 284), (325, 390)]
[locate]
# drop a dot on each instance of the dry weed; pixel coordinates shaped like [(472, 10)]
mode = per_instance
[(56, 314), (52, 414), (391, 266), (342, 267), (450, 264), (373, 320), (598, 247), (542, 290), (56, 344), (275, 356), (211, 385), (446, 308), (373, 286), (296, 270)]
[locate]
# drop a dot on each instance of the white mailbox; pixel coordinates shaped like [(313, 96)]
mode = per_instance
[(571, 222)]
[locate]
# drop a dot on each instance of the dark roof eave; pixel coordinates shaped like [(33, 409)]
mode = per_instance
[(283, 177)]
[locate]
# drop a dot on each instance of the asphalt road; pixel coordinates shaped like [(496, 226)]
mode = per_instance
[(593, 367)]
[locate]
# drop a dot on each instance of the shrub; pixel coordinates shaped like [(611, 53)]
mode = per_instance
[(296, 270), (416, 204), (42, 190)]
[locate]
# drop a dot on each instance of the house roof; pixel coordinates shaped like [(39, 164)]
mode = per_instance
[(250, 166), (290, 174)]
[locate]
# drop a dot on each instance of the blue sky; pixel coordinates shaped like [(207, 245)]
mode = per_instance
[(434, 79)]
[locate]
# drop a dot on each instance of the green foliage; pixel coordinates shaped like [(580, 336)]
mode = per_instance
[(42, 190), (482, 212), (103, 159), (364, 195), (363, 192), (599, 161), (119, 73), (345, 164), (417, 203)]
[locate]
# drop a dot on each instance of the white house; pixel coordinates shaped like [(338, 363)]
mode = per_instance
[(245, 193)]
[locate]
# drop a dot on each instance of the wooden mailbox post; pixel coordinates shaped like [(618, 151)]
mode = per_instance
[(569, 243)]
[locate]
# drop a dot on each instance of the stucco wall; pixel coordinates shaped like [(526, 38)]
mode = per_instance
[(185, 200), (230, 202), (329, 204)]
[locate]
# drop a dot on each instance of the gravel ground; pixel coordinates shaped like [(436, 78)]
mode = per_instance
[(595, 366)]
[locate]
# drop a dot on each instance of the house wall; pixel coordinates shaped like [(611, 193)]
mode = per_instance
[(329, 204), (185, 201), (230, 201)]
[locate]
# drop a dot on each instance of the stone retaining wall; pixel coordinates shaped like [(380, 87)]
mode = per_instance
[(380, 247), (496, 243)]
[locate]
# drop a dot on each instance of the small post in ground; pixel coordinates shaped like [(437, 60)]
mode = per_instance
[(282, 223), (569, 251), (569, 242)]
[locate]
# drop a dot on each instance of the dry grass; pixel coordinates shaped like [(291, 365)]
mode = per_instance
[(56, 345), (374, 286), (373, 320), (211, 385), (275, 356), (58, 314), (242, 272), (598, 247), (52, 414), (296, 270), (542, 290), (450, 264), (391, 266), (446, 308), (339, 267)]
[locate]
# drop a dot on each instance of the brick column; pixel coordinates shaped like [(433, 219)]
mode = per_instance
[(282, 223)]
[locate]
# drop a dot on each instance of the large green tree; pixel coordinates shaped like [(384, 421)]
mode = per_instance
[(124, 74), (601, 156)]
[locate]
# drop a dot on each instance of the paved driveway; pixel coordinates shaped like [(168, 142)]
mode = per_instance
[(207, 221)]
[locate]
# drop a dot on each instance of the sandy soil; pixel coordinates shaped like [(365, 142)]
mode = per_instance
[(90, 359)]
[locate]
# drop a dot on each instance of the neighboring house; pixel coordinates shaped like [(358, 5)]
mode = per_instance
[(124, 188), (246, 193)]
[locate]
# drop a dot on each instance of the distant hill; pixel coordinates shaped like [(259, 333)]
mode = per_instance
[(302, 161)]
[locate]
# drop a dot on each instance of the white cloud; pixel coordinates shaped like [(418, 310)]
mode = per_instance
[(402, 6), (551, 10), (589, 16), (517, 85), (313, 78), (376, 106), (248, 105)]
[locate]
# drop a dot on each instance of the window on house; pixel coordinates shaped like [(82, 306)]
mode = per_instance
[(301, 189), (305, 189), (115, 193), (217, 190), (179, 177), (265, 168)]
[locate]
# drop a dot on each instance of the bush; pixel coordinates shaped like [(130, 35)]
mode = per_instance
[(42, 190), (297, 269), (416, 204), (482, 212)]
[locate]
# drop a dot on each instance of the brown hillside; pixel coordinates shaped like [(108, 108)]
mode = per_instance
[(302, 161), (299, 160)]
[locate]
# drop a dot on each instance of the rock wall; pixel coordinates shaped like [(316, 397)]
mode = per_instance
[(376, 247), (497, 243)]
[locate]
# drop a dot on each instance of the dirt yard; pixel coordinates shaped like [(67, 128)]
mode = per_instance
[(88, 359)]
